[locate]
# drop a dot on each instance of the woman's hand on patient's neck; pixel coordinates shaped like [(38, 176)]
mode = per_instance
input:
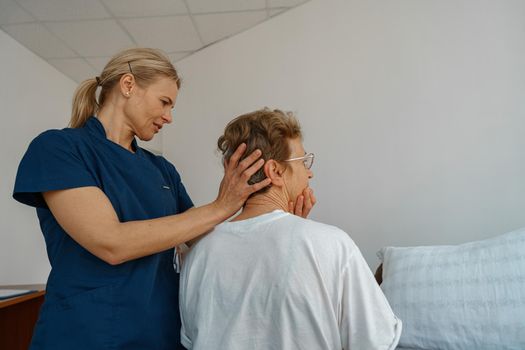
[(234, 189)]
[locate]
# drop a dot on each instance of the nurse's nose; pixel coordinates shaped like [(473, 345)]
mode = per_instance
[(167, 117)]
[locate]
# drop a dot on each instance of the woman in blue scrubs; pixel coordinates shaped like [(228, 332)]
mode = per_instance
[(111, 212)]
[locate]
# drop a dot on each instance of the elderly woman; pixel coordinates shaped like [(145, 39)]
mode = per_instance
[(271, 280)]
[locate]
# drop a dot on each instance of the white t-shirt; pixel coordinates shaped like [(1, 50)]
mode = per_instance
[(278, 281)]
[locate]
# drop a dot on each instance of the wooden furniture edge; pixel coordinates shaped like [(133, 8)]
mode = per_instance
[(20, 298)]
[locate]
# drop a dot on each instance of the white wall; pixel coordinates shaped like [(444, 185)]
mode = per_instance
[(415, 111), (34, 97)]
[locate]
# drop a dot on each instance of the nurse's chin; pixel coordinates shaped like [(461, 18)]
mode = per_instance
[(147, 137)]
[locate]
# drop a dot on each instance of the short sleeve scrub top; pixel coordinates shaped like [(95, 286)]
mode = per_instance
[(90, 304)]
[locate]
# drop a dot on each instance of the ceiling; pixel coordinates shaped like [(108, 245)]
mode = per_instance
[(79, 36)]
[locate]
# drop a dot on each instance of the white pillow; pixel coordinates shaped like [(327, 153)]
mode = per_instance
[(470, 296)]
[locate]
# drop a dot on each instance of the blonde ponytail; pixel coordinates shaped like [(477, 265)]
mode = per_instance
[(84, 103), (145, 64)]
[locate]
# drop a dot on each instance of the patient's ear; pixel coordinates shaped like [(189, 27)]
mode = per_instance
[(274, 171)]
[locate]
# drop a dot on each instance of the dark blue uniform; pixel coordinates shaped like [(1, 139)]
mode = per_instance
[(89, 303)]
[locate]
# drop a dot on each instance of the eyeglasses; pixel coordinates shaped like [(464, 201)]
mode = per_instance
[(308, 160)]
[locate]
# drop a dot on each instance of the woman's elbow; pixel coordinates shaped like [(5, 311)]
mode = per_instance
[(112, 258), (109, 255), (110, 251)]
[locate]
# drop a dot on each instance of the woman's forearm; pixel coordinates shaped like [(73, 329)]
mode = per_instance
[(87, 215), (145, 237)]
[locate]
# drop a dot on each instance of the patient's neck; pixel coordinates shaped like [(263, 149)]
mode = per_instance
[(264, 203)]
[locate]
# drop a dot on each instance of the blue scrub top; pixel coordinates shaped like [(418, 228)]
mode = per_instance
[(89, 303)]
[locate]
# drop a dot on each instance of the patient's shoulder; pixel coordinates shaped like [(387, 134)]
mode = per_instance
[(322, 234)]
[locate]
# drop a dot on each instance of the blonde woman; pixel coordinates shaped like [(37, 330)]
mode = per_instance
[(111, 212)]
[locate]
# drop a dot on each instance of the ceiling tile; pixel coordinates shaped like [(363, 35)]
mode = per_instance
[(275, 11), (98, 62), (75, 68), (171, 34), (38, 39), (203, 6), (285, 3), (218, 26), (64, 10), (138, 8), (174, 57), (92, 38), (11, 12)]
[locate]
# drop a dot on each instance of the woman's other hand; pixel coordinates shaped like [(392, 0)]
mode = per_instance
[(303, 204), (234, 189)]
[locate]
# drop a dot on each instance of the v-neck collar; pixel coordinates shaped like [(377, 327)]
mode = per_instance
[(95, 127)]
